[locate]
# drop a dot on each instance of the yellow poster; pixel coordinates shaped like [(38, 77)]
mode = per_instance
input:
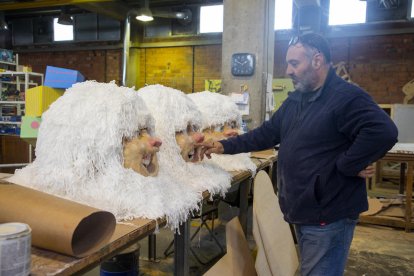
[(212, 85)]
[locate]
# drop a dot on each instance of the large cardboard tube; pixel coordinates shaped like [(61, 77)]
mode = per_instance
[(57, 224)]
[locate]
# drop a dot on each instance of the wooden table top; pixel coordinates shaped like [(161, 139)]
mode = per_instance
[(46, 262)]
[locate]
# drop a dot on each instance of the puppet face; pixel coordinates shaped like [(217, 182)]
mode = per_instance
[(217, 133), (186, 141), (140, 153)]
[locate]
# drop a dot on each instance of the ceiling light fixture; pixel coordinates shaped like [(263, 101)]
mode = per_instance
[(145, 14), (3, 23), (64, 18)]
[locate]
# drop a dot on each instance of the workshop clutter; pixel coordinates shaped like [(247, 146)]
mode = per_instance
[(6, 55), (30, 128), (57, 77), (38, 99)]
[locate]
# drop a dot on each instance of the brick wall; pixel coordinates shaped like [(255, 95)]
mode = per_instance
[(99, 65), (379, 64), (172, 66), (183, 68), (207, 65)]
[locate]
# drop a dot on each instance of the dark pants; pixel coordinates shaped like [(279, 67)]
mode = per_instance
[(324, 248)]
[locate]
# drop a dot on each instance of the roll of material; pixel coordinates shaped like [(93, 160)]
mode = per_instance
[(57, 224)]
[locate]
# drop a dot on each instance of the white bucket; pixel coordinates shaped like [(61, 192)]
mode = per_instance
[(15, 249)]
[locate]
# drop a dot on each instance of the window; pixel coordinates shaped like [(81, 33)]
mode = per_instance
[(412, 9), (283, 14), (347, 12), (62, 32), (211, 19)]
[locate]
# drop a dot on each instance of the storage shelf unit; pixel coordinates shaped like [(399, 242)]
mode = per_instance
[(14, 151), (6, 64)]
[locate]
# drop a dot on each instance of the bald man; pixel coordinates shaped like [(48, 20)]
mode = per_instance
[(330, 132)]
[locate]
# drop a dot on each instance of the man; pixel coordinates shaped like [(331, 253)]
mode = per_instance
[(329, 132)]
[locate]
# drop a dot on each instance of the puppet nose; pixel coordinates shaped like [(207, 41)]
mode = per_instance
[(198, 137), (155, 142)]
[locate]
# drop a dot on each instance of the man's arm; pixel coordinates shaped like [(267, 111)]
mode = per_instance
[(263, 137), (371, 131)]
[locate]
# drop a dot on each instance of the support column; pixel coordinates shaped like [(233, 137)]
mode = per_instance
[(249, 27)]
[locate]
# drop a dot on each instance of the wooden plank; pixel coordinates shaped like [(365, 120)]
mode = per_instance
[(385, 221), (46, 262), (405, 223)]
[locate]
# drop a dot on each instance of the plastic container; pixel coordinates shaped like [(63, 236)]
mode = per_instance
[(124, 264), (15, 249)]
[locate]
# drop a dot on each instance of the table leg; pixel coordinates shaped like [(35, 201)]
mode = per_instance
[(409, 195), (274, 176), (244, 203), (181, 249), (402, 177), (152, 247)]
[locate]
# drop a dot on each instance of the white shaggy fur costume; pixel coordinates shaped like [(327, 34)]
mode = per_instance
[(80, 156), (216, 110), (173, 112)]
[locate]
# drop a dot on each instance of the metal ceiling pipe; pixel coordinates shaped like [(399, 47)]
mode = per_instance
[(127, 42)]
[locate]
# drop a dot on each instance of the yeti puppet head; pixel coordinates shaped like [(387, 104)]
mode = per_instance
[(177, 123), (221, 119)]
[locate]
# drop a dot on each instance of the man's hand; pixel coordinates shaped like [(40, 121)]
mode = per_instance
[(367, 172), (210, 147)]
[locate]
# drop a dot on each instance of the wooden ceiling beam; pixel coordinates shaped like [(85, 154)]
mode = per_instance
[(46, 3)]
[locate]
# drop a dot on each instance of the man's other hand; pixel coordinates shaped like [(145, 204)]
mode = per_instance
[(369, 171)]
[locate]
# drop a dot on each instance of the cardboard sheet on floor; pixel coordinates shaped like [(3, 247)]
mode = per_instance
[(57, 224), (276, 252), (374, 207), (238, 260), (394, 211)]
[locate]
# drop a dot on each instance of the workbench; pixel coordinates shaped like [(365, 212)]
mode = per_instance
[(45, 262), (406, 158)]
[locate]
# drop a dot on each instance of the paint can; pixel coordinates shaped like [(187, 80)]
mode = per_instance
[(124, 264), (15, 249)]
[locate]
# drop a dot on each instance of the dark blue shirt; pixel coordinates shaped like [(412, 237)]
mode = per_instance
[(322, 149)]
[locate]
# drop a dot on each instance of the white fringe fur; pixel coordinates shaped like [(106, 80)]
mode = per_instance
[(79, 156), (173, 111), (216, 110)]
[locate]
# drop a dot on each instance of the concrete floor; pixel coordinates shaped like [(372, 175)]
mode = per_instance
[(375, 250)]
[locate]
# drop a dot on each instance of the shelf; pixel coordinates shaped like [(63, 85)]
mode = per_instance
[(8, 63), (10, 123), (12, 102), (9, 134), (14, 73), (21, 83)]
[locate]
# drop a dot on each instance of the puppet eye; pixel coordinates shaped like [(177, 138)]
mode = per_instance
[(219, 128), (192, 128), (142, 131)]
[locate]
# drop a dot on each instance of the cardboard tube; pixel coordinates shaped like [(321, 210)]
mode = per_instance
[(57, 224)]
